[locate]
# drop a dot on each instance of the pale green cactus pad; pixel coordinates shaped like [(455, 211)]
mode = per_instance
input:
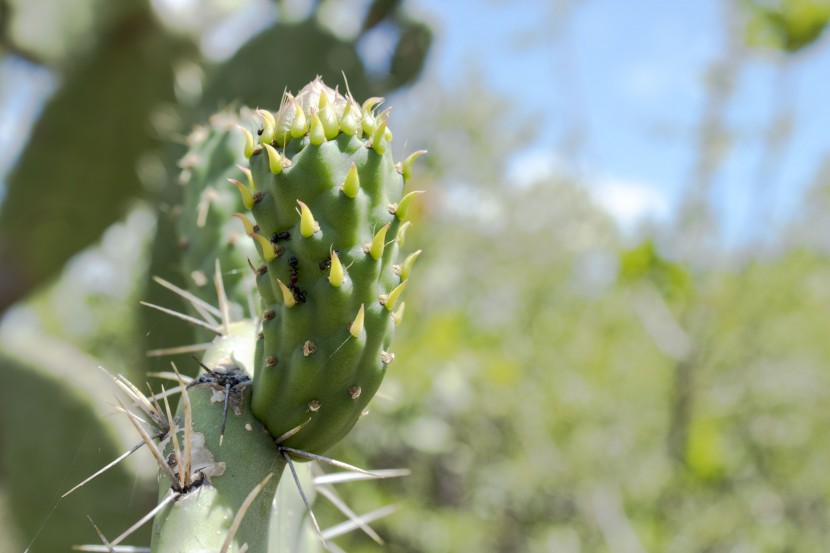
[(206, 231)]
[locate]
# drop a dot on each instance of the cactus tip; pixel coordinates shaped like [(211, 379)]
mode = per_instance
[(287, 296), (406, 266), (249, 226), (249, 176), (299, 125), (378, 243), (389, 300), (316, 134), (269, 126), (406, 166), (274, 159), (351, 185), (247, 197), (308, 225), (336, 275), (249, 141), (397, 315), (356, 327), (400, 210), (269, 253)]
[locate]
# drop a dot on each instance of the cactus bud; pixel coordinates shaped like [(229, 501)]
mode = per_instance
[(268, 251), (336, 275), (287, 297), (299, 124), (247, 197), (391, 298), (274, 160), (378, 242), (308, 225), (356, 328), (249, 226), (406, 166), (351, 185), (397, 315), (328, 118), (316, 134), (402, 207), (406, 266), (249, 141), (269, 126)]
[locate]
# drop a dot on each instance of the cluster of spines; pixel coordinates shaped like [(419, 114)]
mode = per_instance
[(330, 218)]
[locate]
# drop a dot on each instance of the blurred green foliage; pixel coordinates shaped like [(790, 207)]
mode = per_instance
[(555, 388), (789, 25)]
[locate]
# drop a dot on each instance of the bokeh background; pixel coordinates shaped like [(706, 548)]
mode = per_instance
[(617, 340)]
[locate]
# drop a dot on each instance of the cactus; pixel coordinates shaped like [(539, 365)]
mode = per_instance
[(206, 230), (228, 469), (330, 207), (329, 214)]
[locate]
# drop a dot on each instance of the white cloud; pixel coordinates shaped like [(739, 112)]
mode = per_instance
[(630, 202), (531, 166)]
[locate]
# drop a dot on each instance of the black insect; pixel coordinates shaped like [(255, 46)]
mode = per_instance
[(326, 263), (278, 237)]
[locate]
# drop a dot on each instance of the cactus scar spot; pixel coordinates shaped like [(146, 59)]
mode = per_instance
[(309, 347), (354, 392), (199, 278)]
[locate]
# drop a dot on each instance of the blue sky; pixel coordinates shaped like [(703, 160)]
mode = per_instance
[(616, 90), (627, 79)]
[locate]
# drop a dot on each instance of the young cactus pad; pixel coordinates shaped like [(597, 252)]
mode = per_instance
[(207, 232), (329, 203)]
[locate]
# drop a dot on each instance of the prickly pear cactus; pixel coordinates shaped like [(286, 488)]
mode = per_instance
[(206, 230), (330, 213)]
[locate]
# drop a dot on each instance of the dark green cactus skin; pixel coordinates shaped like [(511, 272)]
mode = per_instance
[(314, 368), (206, 231)]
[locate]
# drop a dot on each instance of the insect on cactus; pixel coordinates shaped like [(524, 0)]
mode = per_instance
[(329, 210)]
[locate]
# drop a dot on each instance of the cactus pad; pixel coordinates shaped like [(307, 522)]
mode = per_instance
[(330, 207), (206, 230)]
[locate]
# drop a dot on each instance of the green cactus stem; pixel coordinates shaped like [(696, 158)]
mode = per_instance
[(329, 204), (231, 474)]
